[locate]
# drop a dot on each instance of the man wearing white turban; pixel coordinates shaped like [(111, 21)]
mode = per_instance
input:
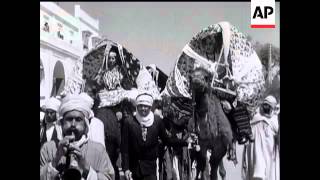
[(261, 158), (139, 141), (50, 129), (96, 126), (90, 158)]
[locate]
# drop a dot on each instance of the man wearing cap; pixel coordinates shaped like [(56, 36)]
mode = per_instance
[(261, 158), (139, 141), (88, 159), (50, 128)]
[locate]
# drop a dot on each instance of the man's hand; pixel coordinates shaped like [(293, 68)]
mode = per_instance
[(62, 150), (128, 174), (189, 140), (82, 163), (198, 148), (119, 115), (192, 140), (226, 106)]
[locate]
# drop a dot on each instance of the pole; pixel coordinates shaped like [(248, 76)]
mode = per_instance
[(269, 66)]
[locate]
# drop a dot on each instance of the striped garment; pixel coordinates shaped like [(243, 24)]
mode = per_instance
[(112, 79)]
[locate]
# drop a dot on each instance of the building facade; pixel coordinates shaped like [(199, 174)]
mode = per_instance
[(64, 40)]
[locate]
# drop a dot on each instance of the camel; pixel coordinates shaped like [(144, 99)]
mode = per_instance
[(210, 123)]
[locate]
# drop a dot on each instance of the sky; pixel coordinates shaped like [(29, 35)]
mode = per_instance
[(156, 32)]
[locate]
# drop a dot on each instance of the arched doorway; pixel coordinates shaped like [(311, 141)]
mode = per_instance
[(42, 81), (58, 79), (41, 73)]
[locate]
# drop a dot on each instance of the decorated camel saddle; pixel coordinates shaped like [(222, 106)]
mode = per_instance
[(135, 76), (237, 75)]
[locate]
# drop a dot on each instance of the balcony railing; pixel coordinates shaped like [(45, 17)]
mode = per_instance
[(51, 39)]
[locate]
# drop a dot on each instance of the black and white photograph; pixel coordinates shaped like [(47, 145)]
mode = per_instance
[(160, 90)]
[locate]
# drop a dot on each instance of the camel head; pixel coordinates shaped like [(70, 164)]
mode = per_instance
[(200, 80)]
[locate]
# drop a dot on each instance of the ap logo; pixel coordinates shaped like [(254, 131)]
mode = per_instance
[(263, 14)]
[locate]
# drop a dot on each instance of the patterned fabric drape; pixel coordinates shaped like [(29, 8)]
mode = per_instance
[(201, 51), (133, 75), (112, 79), (75, 83)]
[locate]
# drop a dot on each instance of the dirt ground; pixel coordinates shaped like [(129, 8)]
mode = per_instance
[(233, 172)]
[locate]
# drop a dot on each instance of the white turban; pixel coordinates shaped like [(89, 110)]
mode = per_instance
[(271, 101), (75, 102), (144, 99), (52, 103), (87, 98), (90, 102)]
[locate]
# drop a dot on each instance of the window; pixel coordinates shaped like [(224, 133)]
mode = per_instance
[(71, 37), (41, 73), (59, 33), (46, 27), (85, 39)]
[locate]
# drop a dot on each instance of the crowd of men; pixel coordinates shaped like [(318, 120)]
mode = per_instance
[(70, 132), (74, 143)]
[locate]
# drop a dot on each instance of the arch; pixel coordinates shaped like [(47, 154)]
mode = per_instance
[(41, 72), (58, 79), (42, 81)]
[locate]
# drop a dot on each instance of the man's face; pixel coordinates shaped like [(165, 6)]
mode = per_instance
[(126, 114), (143, 110), (266, 109), (51, 116), (74, 123), (112, 59)]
